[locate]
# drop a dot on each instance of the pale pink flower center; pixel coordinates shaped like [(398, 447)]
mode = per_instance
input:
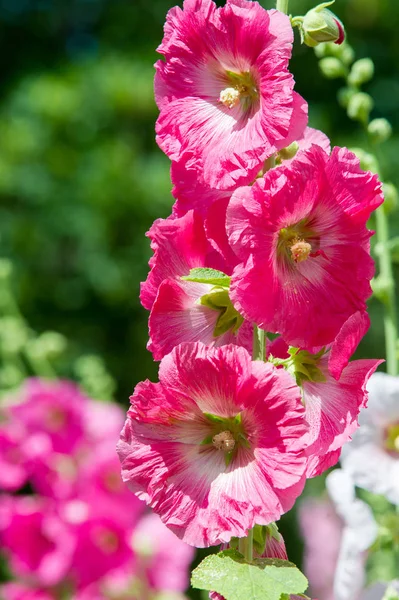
[(106, 540), (392, 438)]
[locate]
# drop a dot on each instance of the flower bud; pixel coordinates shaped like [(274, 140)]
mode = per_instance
[(359, 107), (362, 71), (391, 197), (379, 130), (344, 94), (332, 67), (321, 25)]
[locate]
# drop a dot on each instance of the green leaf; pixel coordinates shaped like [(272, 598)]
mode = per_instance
[(205, 275), (264, 579)]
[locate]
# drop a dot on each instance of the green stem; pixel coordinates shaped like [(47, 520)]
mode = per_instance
[(282, 6), (245, 546), (386, 273), (259, 344)]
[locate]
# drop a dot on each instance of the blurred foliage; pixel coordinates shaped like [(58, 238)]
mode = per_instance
[(81, 179)]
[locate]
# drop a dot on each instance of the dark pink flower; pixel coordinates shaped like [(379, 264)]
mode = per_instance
[(301, 234), (215, 447), (54, 408), (333, 390), (21, 591), (37, 543), (187, 311), (13, 468), (224, 89)]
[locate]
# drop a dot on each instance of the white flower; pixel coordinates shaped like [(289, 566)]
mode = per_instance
[(372, 457), (359, 533)]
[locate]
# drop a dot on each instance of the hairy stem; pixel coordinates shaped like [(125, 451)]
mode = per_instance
[(282, 6), (389, 301)]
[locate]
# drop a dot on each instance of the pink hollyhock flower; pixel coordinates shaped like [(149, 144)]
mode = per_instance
[(187, 311), (191, 192), (333, 390), (37, 543), (216, 445), (20, 591), (161, 556), (54, 408), (102, 489), (13, 469), (301, 234), (224, 89)]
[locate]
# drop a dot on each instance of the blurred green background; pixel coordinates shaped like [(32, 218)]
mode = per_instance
[(81, 179)]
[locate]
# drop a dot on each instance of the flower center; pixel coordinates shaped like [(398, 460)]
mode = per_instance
[(300, 250), (392, 438), (241, 89), (224, 441), (294, 242), (226, 434), (228, 319)]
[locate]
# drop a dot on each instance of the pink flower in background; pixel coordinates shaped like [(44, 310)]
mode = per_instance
[(187, 311), (34, 538), (333, 390), (224, 90), (321, 530), (301, 234), (161, 555), (54, 408), (13, 469), (215, 446), (19, 591)]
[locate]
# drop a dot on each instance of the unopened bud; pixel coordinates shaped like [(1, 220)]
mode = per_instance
[(290, 151), (332, 67), (379, 130), (321, 25), (344, 94), (360, 106), (362, 71), (391, 197)]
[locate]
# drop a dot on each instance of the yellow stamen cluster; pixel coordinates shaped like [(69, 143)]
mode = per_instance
[(230, 97), (300, 250), (224, 441)]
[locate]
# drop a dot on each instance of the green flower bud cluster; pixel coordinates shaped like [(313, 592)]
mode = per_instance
[(94, 378)]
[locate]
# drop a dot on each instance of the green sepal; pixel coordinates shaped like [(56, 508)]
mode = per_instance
[(244, 440), (230, 575), (214, 418), (207, 440), (260, 536), (205, 275)]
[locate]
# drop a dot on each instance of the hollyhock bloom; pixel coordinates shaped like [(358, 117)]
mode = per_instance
[(35, 540), (19, 591), (191, 191), (187, 311), (372, 457), (301, 234), (333, 390), (13, 470), (224, 90), (163, 558), (53, 408), (359, 533), (215, 446)]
